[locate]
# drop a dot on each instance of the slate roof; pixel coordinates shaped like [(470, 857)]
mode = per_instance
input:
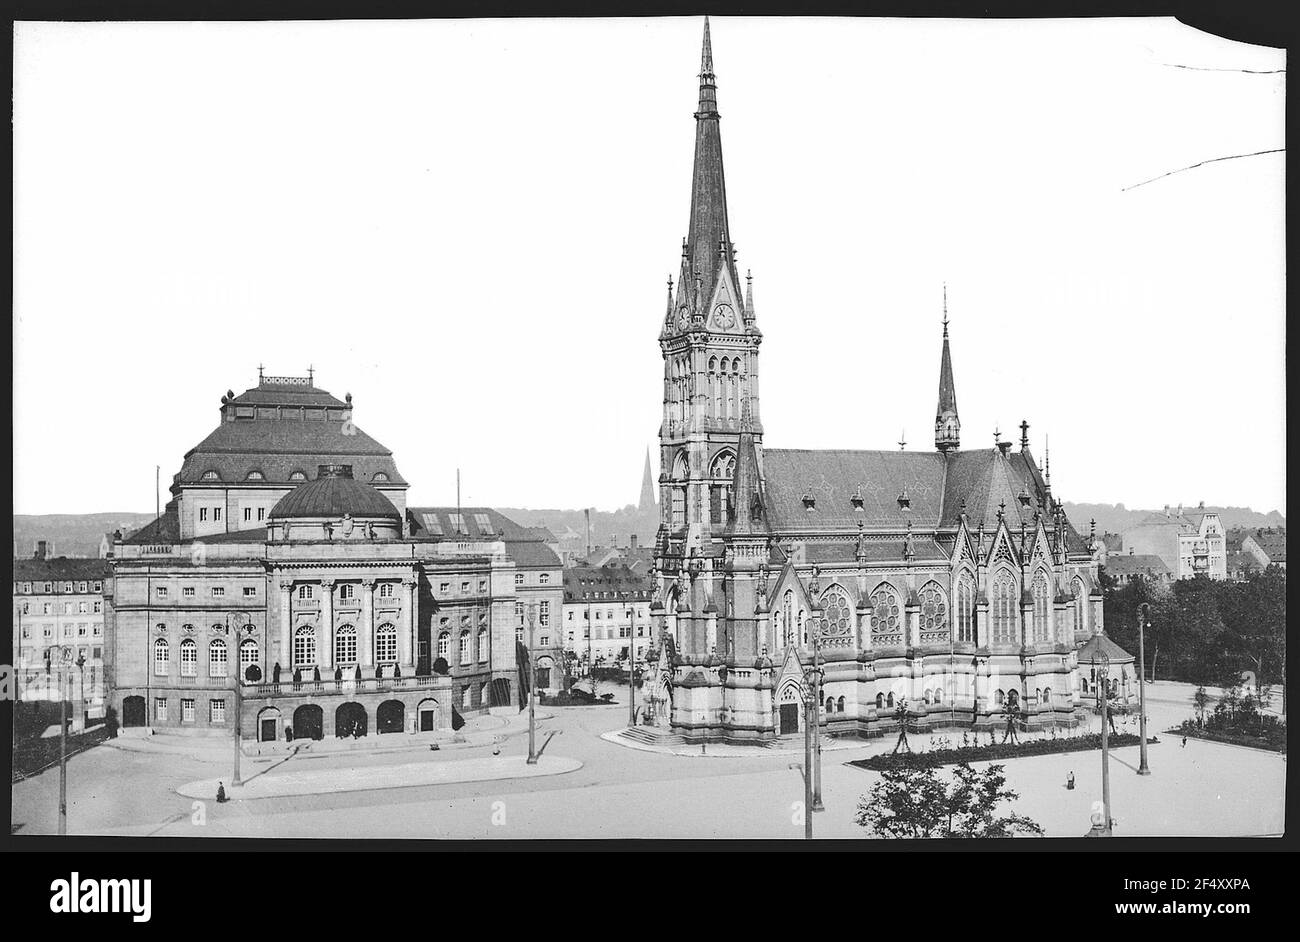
[(287, 394), (936, 486), (525, 545), (1099, 642), (1131, 563), (585, 582), (333, 496), (1273, 545), (59, 568), (164, 529), (278, 447)]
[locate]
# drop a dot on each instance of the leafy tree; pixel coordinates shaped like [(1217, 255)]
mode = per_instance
[(1200, 700), (911, 801)]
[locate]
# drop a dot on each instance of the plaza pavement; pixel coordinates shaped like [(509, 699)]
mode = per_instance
[(1201, 789)]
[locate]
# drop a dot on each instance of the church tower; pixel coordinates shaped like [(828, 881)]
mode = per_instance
[(947, 427), (646, 505), (710, 346)]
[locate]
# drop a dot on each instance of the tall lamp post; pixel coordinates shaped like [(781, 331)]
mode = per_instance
[(1103, 691), (816, 676), (65, 659), (240, 619), (631, 667), (532, 723), (1144, 611), (808, 719)]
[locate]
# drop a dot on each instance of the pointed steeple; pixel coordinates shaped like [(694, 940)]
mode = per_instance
[(647, 504), (708, 241), (749, 514), (947, 427)]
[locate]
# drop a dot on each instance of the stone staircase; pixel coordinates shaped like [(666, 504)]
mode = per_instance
[(651, 736)]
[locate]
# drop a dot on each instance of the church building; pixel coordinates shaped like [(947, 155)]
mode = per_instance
[(944, 585)]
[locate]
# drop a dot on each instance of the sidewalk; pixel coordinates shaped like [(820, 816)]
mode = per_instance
[(481, 730), (278, 784)]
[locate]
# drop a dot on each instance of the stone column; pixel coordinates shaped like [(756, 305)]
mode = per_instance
[(285, 656), (404, 635), (325, 647), (364, 643)]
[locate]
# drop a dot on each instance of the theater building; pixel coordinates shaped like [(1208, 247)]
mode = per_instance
[(945, 581), (327, 613)]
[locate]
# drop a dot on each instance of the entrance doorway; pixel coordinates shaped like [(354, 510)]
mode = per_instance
[(350, 719), (428, 712), (308, 722), (268, 725), (789, 718), (133, 711), (389, 717)]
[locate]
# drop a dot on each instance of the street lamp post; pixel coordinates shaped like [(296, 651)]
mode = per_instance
[(532, 723), (240, 618), (808, 719), (65, 659), (1143, 614), (817, 714), (631, 668), (1103, 691)]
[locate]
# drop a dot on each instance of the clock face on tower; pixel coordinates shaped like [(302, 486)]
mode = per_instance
[(724, 317)]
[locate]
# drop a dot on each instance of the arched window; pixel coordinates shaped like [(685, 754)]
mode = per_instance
[(217, 659), (678, 490), (965, 606), (466, 650), (880, 701), (482, 644), (839, 705), (999, 698), (938, 695), (161, 658), (345, 645), (885, 611), (297, 476), (189, 658), (1047, 696), (926, 696), (724, 390), (889, 700), (722, 472), (837, 613), (444, 645), (249, 656), (830, 704), (787, 617), (304, 646), (934, 613), (1042, 599), (1080, 599), (1003, 608), (386, 644), (715, 390)]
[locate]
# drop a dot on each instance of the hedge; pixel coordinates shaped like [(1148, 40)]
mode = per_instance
[(1008, 750)]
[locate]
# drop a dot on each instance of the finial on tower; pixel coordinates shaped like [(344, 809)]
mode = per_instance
[(259, 374), (311, 370), (706, 55), (1024, 434), (902, 440), (945, 310)]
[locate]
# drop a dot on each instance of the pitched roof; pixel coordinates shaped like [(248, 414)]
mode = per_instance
[(278, 447), (588, 582), (1089, 649), (164, 529), (1127, 564), (437, 523), (273, 393), (59, 568)]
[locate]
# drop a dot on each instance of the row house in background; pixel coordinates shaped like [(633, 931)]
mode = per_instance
[(58, 615), (1190, 543), (607, 614)]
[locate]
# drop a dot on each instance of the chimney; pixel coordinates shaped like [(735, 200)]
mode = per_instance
[(42, 550), (587, 513), (633, 541)]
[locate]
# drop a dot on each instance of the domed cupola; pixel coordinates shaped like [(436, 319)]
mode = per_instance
[(335, 506)]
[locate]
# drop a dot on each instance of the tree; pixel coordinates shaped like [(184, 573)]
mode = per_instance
[(911, 801), (1200, 700)]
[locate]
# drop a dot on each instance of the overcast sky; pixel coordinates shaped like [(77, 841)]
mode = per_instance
[(469, 225)]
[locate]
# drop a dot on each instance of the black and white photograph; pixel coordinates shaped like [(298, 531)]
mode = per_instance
[(391, 461)]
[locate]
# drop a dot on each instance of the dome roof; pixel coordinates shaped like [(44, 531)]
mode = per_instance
[(334, 493)]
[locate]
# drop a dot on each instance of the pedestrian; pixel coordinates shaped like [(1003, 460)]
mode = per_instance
[(221, 793), (1184, 742), (1069, 782)]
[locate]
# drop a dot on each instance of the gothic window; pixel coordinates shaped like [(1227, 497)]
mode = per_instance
[(345, 645), (722, 471), (999, 698), (304, 646), (386, 644), (1047, 696), (161, 657), (715, 390), (880, 701), (886, 614), (837, 613), (217, 658), (1042, 599), (1079, 600), (1003, 608), (726, 395), (934, 611)]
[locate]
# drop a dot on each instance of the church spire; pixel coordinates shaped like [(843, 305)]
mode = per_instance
[(647, 503), (947, 427), (708, 242)]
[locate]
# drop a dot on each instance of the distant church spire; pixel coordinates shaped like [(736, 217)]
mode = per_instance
[(647, 502), (947, 427)]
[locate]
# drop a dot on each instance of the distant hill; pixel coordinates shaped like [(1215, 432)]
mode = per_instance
[(607, 527), (70, 534), (1116, 518)]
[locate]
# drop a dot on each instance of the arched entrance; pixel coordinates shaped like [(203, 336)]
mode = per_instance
[(309, 722), (133, 711), (351, 719), (430, 715), (788, 707), (498, 692), (389, 717), (268, 725)]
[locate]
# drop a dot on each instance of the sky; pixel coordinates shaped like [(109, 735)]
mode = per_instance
[(469, 224)]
